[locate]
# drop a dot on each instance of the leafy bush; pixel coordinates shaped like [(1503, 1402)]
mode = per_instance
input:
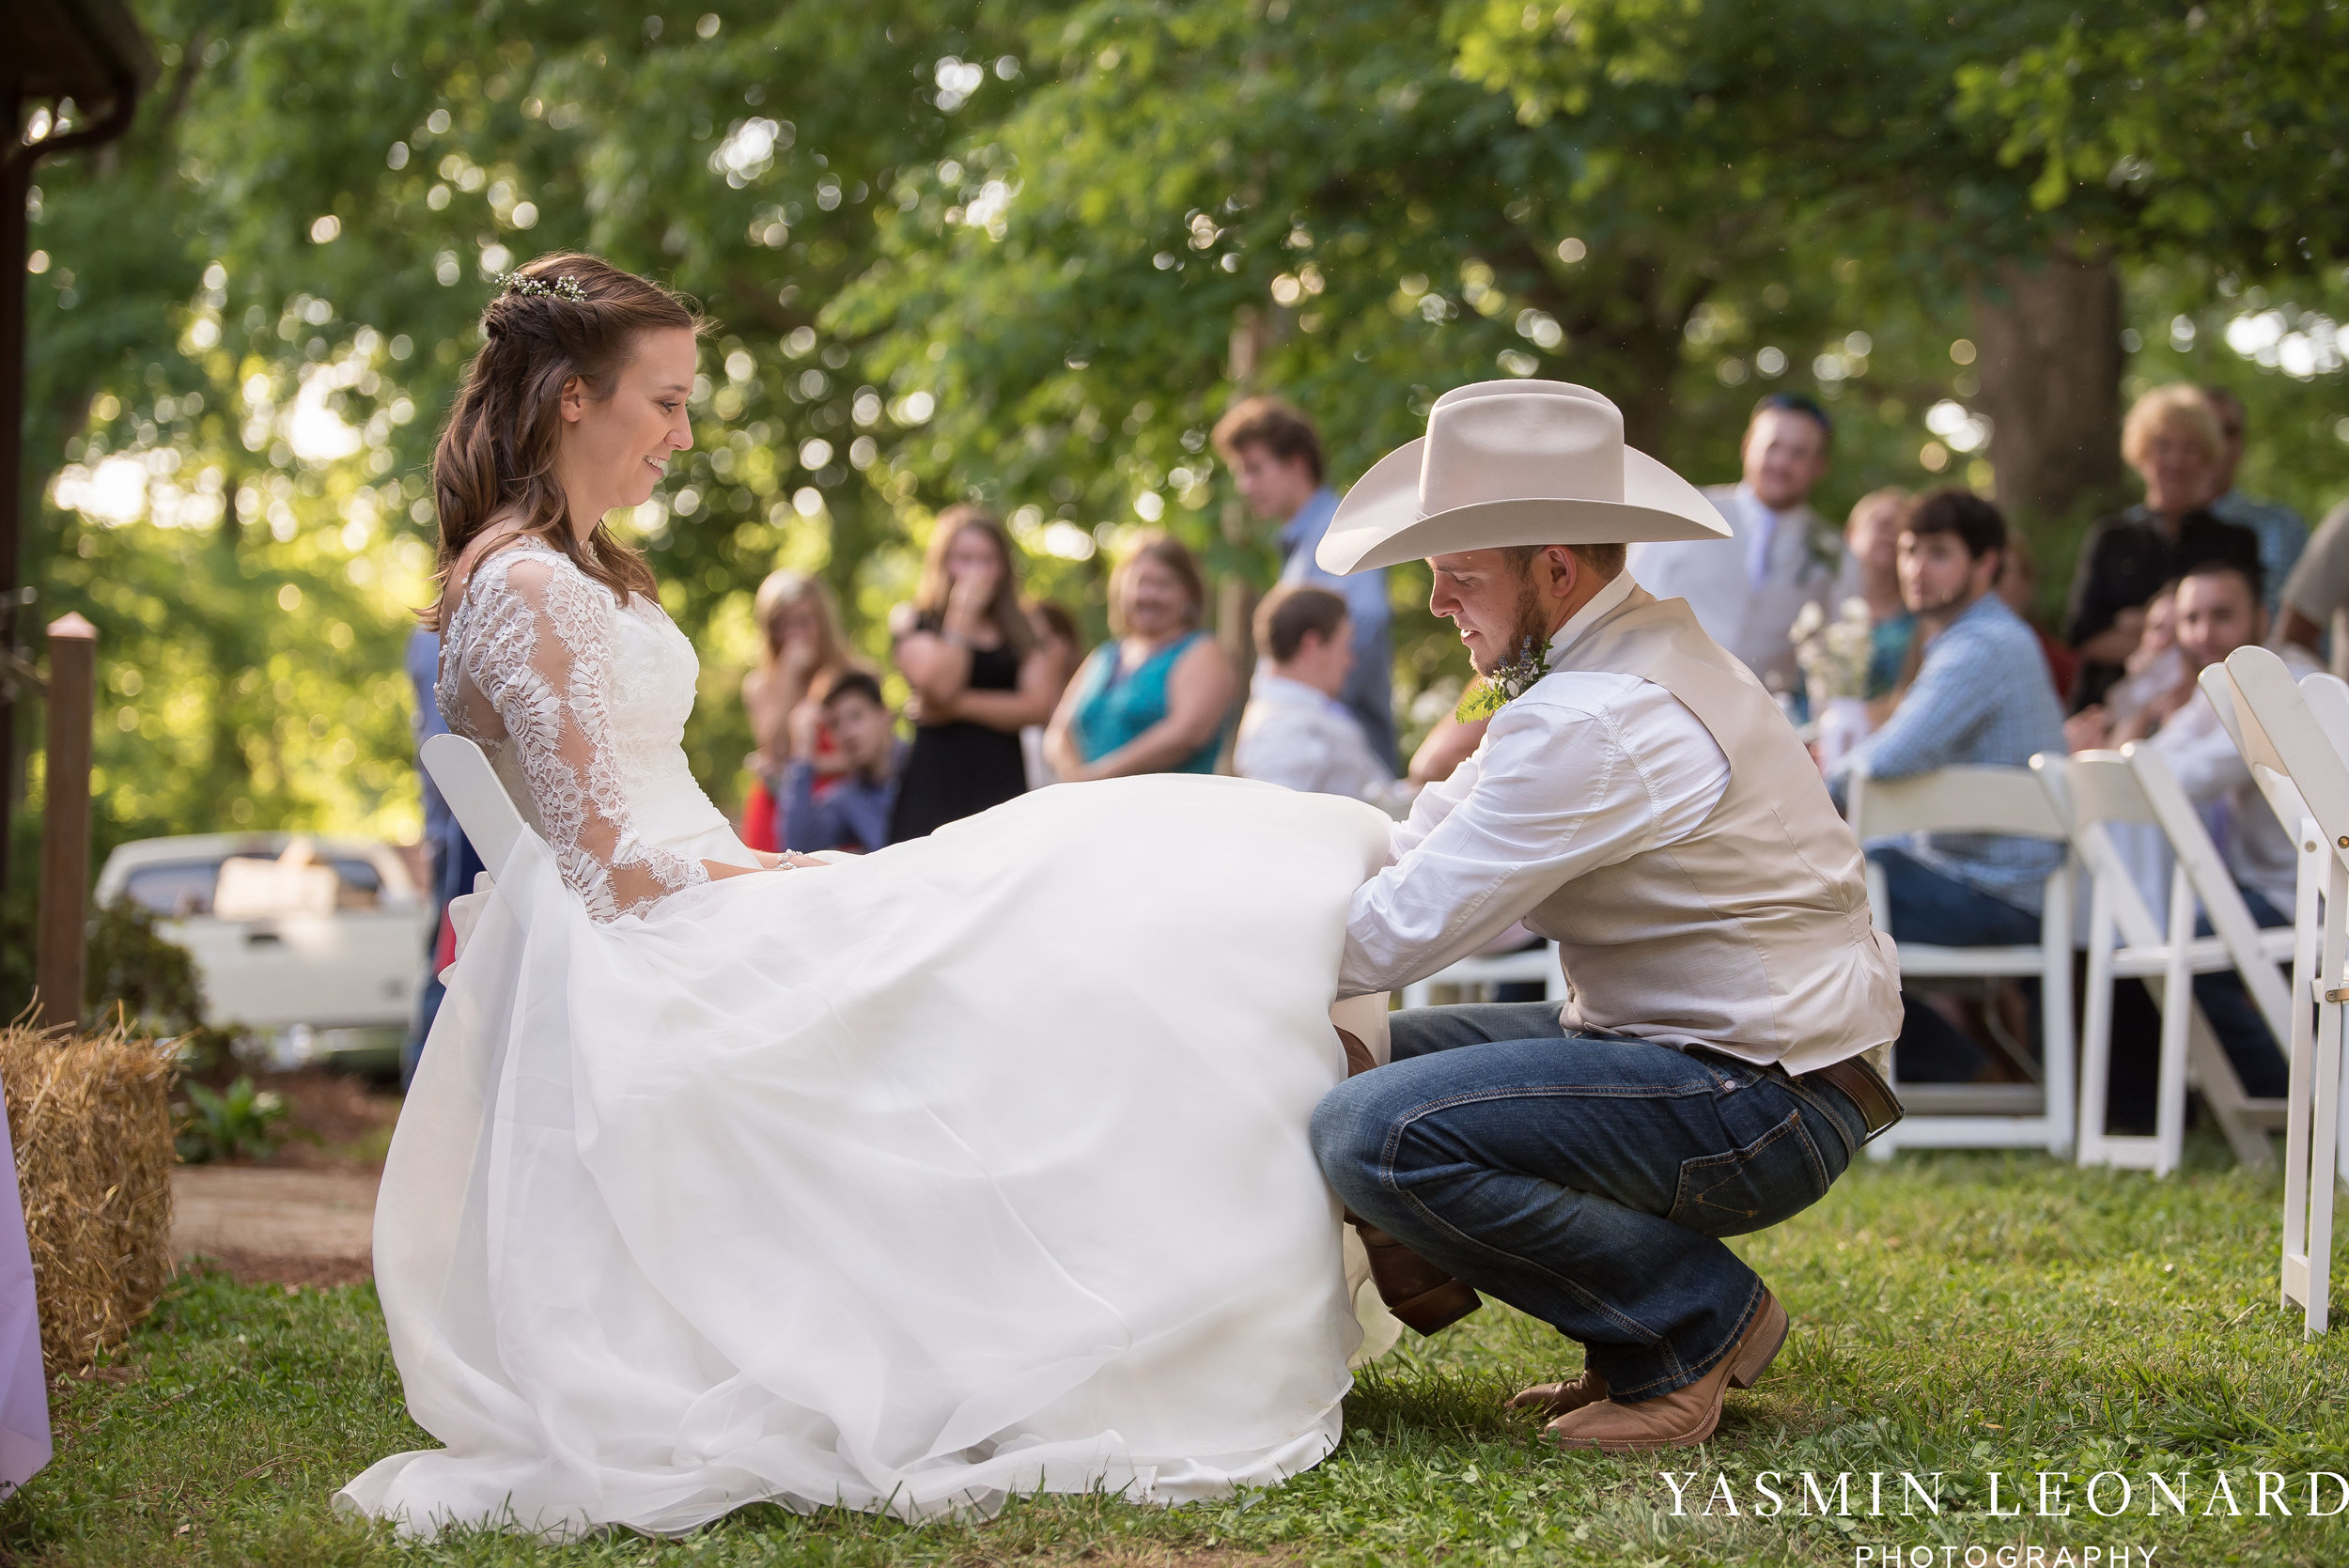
[(220, 1124), (152, 981), (135, 967)]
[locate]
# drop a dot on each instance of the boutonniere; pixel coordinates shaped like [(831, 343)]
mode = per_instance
[(1490, 693)]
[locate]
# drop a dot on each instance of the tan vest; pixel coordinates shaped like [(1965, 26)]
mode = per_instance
[(1751, 934)]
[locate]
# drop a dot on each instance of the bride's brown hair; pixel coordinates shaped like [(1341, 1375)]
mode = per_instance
[(561, 316)]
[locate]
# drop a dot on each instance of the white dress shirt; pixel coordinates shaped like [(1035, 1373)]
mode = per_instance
[(1300, 737), (1584, 770)]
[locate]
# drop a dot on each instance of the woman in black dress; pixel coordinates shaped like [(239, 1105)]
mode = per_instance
[(970, 655)]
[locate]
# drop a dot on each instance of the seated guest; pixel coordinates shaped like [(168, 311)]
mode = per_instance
[(2283, 533), (850, 808), (2219, 609), (1152, 700), (2173, 441), (1297, 731), (2318, 589), (803, 649), (1981, 696), (2150, 674)]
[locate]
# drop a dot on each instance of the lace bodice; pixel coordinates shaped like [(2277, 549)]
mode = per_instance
[(581, 703)]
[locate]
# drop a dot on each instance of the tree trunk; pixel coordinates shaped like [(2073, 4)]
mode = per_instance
[(2050, 339)]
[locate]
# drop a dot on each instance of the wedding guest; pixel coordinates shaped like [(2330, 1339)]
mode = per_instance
[(2219, 610), (1275, 457), (2283, 533), (1981, 696), (1151, 700), (2171, 438), (850, 807), (2319, 588), (968, 649), (2152, 670), (802, 652), (2018, 584), (1872, 538), (1295, 731), (1747, 591)]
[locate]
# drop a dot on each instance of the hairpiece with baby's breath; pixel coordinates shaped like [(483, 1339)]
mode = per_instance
[(566, 287)]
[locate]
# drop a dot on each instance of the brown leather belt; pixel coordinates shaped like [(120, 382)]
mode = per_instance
[(1858, 1083)]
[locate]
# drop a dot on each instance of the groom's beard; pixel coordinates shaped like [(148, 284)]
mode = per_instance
[(1530, 624)]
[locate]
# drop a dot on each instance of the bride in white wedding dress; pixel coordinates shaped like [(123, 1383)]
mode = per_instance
[(974, 1167)]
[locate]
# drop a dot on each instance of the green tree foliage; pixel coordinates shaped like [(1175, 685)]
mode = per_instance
[(1029, 252), (251, 319)]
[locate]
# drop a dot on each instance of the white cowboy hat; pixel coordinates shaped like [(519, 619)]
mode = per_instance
[(1513, 463)]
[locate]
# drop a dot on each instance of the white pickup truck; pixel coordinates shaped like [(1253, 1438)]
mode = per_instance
[(316, 944)]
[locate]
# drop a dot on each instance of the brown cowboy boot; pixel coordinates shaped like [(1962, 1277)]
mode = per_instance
[(1420, 1294), (1556, 1399), (1686, 1415)]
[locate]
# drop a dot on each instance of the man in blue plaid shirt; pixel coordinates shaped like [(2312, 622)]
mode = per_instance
[(1981, 696)]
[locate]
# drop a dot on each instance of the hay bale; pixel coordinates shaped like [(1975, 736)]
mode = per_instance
[(90, 1118)]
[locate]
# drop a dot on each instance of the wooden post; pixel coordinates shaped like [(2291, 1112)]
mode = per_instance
[(63, 918)]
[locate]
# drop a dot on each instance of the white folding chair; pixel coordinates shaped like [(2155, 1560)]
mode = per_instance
[(2005, 801), (476, 798), (1477, 970), (2099, 792), (2254, 952), (2297, 761)]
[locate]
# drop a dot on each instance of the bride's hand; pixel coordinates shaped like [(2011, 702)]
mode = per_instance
[(790, 860)]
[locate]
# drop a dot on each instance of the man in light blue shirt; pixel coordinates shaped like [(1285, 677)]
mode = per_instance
[(1275, 457), (1983, 697)]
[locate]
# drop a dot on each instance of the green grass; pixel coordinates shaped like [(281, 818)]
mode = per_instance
[(1961, 1313)]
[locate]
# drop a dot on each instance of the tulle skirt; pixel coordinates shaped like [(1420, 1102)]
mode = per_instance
[(974, 1167)]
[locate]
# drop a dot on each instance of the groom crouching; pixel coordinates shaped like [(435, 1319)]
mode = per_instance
[(1640, 799)]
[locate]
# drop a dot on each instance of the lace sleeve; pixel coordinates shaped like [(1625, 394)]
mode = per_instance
[(535, 643)]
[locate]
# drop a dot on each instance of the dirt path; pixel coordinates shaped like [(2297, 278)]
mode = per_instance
[(272, 1225)]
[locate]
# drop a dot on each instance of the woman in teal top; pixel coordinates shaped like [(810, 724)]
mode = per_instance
[(1153, 700)]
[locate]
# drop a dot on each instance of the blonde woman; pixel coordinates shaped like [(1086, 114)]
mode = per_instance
[(2173, 441), (967, 647), (1152, 700), (1871, 535), (802, 652)]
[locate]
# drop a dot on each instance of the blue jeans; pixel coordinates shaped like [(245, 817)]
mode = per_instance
[(1942, 911), (1928, 907), (1584, 1178)]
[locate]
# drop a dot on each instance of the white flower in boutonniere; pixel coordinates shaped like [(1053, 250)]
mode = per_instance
[(1495, 691)]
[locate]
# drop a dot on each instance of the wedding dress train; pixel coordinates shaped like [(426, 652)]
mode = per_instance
[(973, 1166)]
